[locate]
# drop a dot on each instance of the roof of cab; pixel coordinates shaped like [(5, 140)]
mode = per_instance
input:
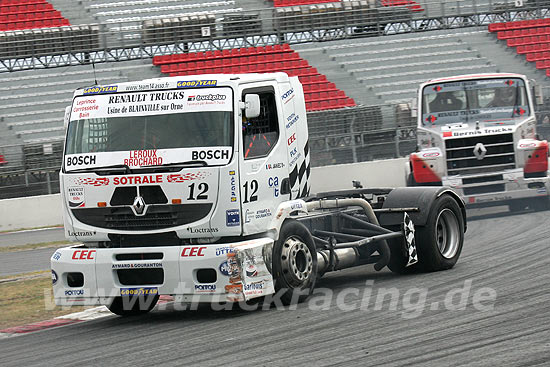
[(474, 76), (190, 81)]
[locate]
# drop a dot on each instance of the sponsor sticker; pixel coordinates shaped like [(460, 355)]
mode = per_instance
[(100, 90), (74, 292), (288, 95), (224, 250), (251, 270), (233, 182), (273, 182), (196, 83), (225, 269), (56, 256), (75, 196), (205, 288), (54, 277), (291, 120), (193, 251), (233, 218), (139, 291), (137, 266), (84, 255)]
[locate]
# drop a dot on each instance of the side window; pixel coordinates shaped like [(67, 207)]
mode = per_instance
[(260, 134)]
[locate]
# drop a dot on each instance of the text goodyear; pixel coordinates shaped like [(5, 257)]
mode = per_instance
[(100, 90), (196, 83)]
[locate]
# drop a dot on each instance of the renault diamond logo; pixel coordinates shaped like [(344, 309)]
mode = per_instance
[(479, 151), (139, 205)]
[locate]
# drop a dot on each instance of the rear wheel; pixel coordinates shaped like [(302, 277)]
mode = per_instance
[(439, 242), (294, 262), (134, 305)]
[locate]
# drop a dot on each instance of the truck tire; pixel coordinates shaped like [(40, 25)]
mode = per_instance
[(294, 263), (439, 242), (132, 307)]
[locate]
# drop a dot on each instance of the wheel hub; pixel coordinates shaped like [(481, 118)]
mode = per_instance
[(447, 233), (296, 260)]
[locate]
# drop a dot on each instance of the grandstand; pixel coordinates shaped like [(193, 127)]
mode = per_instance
[(359, 61)]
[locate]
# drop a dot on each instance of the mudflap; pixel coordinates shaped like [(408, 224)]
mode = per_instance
[(408, 231)]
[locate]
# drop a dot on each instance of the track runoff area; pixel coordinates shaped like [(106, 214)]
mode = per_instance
[(491, 307)]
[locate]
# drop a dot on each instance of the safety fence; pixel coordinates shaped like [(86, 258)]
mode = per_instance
[(118, 38)]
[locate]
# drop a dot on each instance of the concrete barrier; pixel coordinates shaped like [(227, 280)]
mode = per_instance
[(30, 212), (385, 173), (40, 211)]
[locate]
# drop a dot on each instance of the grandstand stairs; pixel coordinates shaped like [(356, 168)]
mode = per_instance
[(77, 15), (319, 58), (388, 69)]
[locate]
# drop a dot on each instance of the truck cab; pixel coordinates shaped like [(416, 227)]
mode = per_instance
[(477, 134), (177, 160)]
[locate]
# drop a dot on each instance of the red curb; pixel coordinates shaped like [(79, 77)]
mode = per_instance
[(38, 326)]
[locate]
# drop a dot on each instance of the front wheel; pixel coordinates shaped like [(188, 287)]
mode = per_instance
[(133, 305), (294, 263)]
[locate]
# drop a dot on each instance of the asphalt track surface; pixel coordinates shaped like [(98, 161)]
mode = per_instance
[(32, 236), (508, 253), (13, 263)]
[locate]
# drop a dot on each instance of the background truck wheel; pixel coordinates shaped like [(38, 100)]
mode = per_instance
[(294, 262), (131, 307), (439, 242)]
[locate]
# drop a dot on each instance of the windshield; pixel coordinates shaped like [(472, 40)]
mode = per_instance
[(171, 125), (180, 130), (474, 100)]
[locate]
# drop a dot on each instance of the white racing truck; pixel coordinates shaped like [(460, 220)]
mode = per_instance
[(198, 188), (477, 135)]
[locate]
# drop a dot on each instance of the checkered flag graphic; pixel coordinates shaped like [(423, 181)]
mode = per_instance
[(408, 230), (299, 177)]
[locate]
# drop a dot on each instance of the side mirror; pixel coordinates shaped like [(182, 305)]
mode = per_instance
[(251, 106), (67, 117)]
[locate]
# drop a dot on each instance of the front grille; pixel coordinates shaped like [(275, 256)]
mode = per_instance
[(156, 217), (144, 240), (140, 256), (150, 194), (483, 189), (482, 179), (462, 160), (154, 276)]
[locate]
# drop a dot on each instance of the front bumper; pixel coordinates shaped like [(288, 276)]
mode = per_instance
[(511, 186), (196, 273)]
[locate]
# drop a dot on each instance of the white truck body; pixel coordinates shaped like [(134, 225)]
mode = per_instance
[(487, 151), (227, 196)]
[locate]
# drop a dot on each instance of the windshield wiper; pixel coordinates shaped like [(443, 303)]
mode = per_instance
[(116, 167), (179, 164)]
